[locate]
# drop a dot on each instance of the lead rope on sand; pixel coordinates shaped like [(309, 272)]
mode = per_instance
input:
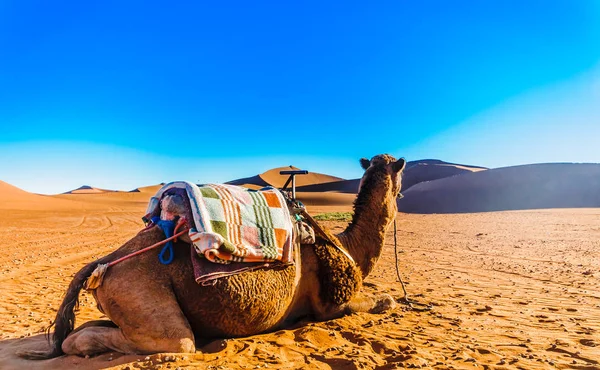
[(415, 306)]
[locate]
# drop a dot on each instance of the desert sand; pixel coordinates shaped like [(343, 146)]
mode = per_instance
[(517, 289)]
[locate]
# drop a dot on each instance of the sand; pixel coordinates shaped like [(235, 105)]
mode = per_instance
[(13, 198), (509, 290)]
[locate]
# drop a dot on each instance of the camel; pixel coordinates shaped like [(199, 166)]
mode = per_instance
[(160, 308)]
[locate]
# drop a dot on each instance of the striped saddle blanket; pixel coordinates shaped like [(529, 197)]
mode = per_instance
[(235, 224)]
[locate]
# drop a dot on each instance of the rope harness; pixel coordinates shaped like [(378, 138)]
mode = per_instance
[(95, 280), (156, 245)]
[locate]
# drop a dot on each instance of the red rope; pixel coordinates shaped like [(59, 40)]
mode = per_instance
[(182, 221), (148, 248)]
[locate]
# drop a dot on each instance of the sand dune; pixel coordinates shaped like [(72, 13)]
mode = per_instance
[(433, 169), (147, 189), (273, 178), (554, 185), (438, 162), (11, 197), (342, 186), (253, 182), (9, 192), (86, 189), (415, 172)]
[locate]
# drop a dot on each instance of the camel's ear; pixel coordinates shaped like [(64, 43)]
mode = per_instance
[(399, 165), (365, 163)]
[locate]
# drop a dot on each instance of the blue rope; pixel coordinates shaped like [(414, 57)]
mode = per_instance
[(168, 228)]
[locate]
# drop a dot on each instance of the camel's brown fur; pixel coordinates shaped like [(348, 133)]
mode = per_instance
[(339, 278), (160, 308)]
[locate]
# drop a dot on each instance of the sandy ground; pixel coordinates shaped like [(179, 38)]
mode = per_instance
[(509, 290)]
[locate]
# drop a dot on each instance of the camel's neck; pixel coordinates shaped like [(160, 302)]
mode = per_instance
[(365, 236)]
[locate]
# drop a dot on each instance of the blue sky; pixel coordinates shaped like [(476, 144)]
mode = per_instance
[(123, 94)]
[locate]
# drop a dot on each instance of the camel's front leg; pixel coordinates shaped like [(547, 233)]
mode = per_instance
[(93, 340), (376, 304)]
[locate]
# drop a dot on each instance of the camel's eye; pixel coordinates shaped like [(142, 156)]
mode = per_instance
[(400, 196)]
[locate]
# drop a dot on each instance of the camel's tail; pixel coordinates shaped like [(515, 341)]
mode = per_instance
[(64, 323)]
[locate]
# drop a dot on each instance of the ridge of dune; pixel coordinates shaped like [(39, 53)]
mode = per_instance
[(14, 198), (273, 178), (439, 162), (532, 186), (86, 189), (147, 189), (136, 197), (415, 172), (252, 182), (7, 190), (433, 169)]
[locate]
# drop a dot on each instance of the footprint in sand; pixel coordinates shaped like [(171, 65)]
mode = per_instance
[(588, 342)]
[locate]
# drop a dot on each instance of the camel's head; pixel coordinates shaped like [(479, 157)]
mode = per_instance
[(383, 165)]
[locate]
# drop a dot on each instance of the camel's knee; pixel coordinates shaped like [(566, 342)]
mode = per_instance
[(383, 302), (68, 345), (185, 345), (152, 344), (376, 304), (97, 339), (82, 343)]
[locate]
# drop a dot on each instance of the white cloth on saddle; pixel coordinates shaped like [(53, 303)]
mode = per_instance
[(235, 224)]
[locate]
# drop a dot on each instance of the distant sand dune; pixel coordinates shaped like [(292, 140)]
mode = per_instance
[(432, 169), (8, 191), (86, 189), (147, 189), (415, 172), (249, 182), (326, 199), (273, 178), (11, 197), (342, 186), (554, 185)]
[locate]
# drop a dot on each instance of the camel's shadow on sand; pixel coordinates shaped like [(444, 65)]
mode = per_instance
[(205, 354), (9, 359)]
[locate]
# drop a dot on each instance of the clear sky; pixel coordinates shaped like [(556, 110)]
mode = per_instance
[(120, 94)]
